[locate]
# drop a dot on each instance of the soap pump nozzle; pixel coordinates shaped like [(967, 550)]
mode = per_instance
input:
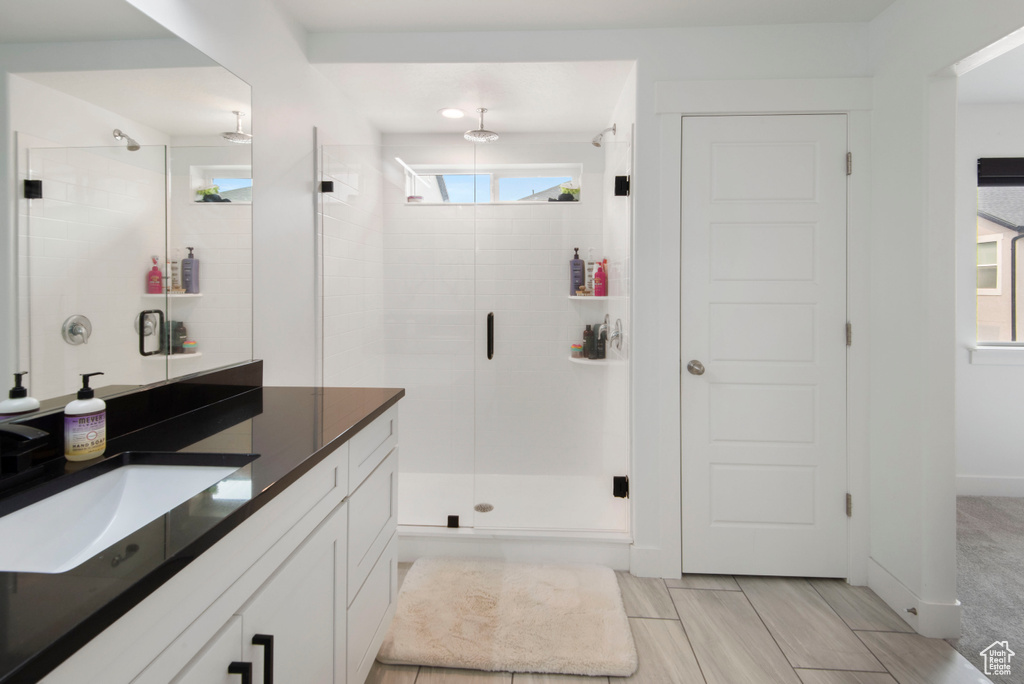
[(87, 392)]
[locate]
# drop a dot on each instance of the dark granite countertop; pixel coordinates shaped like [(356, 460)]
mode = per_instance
[(44, 618)]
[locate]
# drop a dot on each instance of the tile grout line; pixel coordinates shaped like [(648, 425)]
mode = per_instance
[(686, 636), (754, 608)]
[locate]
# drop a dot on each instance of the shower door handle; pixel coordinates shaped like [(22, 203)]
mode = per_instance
[(490, 336), (142, 331)]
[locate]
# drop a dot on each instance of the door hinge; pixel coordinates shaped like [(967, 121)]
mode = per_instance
[(849, 505), (849, 163), (849, 334), (33, 189), (620, 486)]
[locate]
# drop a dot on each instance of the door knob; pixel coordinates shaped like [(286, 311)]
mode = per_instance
[(695, 367)]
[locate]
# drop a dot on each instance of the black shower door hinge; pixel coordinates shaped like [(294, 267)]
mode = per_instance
[(620, 486), (33, 189)]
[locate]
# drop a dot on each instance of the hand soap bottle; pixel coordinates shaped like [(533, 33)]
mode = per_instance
[(85, 424), (18, 402)]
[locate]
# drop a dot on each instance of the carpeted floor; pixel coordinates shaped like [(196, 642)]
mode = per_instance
[(990, 578)]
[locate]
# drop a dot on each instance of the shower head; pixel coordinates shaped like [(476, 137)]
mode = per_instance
[(237, 136), (125, 138), (481, 135), (596, 142)]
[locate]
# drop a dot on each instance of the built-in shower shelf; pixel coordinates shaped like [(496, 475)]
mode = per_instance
[(597, 299), (173, 296), (597, 362)]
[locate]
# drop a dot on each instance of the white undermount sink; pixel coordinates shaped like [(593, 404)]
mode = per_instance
[(68, 528)]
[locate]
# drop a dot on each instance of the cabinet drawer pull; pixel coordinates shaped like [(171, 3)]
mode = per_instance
[(241, 668), (267, 642)]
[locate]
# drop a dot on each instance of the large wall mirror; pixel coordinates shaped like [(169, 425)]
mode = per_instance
[(133, 215)]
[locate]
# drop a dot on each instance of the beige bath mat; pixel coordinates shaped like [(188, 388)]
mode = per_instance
[(512, 617)]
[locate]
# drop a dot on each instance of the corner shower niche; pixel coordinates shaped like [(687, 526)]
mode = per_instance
[(423, 242)]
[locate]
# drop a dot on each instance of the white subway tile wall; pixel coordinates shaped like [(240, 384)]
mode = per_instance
[(85, 249), (353, 267), (220, 321)]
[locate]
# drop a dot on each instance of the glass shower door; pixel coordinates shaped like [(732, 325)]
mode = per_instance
[(542, 457), (88, 235)]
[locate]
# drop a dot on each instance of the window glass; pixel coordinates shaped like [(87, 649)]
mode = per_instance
[(531, 189)]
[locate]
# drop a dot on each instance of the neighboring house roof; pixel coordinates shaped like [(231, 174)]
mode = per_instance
[(1003, 205), (551, 193)]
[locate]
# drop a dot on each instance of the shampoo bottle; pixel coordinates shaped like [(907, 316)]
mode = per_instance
[(18, 402), (577, 273), (155, 279), (85, 424), (190, 272), (600, 281), (588, 343)]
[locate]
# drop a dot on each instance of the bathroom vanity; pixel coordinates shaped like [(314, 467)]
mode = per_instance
[(286, 567)]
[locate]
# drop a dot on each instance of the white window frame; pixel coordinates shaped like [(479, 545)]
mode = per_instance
[(496, 173), (998, 289)]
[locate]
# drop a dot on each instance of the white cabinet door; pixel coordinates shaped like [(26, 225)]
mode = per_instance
[(211, 665), (296, 607), (764, 311)]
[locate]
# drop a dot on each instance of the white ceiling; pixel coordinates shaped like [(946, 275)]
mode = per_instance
[(189, 101), (322, 16), (520, 98), (1000, 80), (34, 21)]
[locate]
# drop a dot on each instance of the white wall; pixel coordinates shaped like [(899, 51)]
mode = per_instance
[(914, 342), (989, 431), (255, 40)]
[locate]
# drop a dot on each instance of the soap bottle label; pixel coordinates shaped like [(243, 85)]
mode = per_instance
[(85, 436)]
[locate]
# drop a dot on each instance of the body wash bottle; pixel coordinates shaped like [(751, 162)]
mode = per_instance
[(190, 273), (577, 275), (85, 424), (18, 402)]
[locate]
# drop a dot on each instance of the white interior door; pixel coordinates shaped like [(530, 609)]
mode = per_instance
[(763, 309)]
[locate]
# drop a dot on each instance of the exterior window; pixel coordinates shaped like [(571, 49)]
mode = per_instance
[(431, 184), (989, 272)]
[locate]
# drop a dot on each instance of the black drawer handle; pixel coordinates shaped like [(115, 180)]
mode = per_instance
[(490, 335), (267, 642), (241, 668)]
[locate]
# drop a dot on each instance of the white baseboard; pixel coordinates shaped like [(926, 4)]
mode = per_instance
[(979, 485), (609, 550), (935, 620)]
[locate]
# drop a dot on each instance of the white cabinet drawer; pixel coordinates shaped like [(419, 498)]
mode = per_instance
[(370, 614), (372, 521), (371, 445)]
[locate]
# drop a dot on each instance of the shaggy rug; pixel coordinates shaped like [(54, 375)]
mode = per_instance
[(511, 617)]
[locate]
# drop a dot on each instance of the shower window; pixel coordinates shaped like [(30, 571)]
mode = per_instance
[(437, 184)]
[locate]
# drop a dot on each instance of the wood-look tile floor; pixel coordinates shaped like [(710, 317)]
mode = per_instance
[(713, 629)]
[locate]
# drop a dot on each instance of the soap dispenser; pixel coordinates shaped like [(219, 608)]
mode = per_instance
[(18, 402), (85, 424)]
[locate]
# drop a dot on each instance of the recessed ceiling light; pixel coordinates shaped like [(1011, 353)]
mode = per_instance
[(451, 113)]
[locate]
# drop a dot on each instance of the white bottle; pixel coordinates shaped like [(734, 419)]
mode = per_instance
[(85, 424), (18, 403)]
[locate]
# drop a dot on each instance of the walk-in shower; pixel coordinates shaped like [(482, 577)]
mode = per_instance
[(446, 271)]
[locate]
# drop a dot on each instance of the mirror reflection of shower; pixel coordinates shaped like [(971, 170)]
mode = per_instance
[(132, 145)]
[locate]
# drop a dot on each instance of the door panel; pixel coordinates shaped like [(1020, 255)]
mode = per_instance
[(763, 307)]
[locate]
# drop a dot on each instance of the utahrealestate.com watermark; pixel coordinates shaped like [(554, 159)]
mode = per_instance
[(997, 658)]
